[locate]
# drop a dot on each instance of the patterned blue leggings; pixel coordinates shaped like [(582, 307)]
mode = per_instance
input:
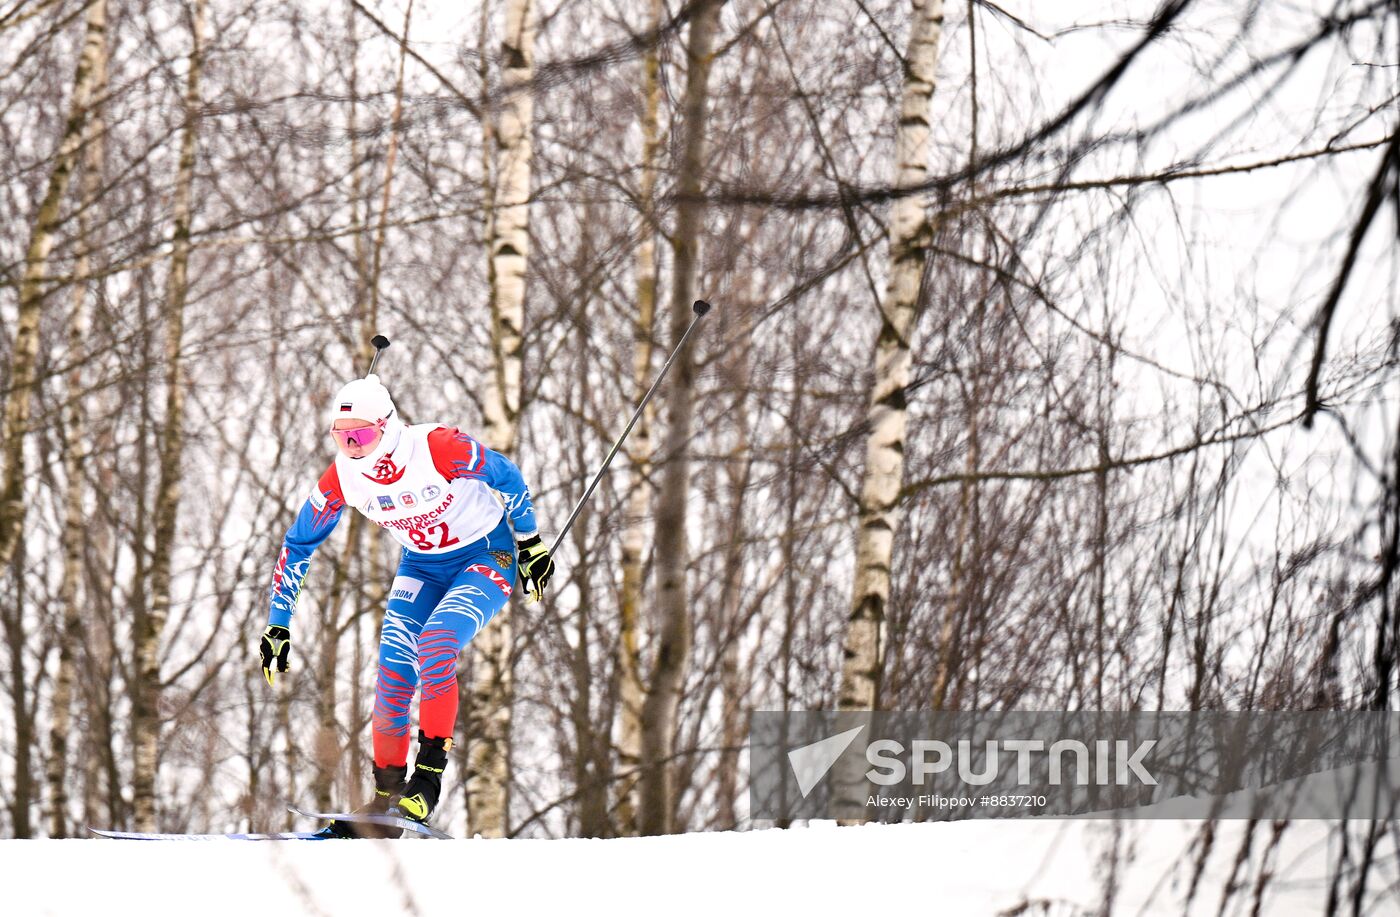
[(437, 604)]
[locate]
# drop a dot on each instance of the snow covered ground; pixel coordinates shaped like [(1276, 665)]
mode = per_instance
[(970, 867)]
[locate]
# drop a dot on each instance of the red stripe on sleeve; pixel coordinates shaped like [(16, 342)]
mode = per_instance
[(450, 446), (330, 484)]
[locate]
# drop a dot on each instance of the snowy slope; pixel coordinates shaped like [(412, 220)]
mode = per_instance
[(974, 867)]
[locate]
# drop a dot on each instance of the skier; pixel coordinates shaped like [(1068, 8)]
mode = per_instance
[(462, 513)]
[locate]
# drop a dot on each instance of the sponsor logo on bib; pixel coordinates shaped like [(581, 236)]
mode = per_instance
[(406, 500), (386, 472), (405, 588)]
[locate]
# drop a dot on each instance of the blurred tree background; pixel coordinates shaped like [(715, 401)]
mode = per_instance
[(1053, 366)]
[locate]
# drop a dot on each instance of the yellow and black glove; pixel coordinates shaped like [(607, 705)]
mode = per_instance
[(276, 646), (535, 567)]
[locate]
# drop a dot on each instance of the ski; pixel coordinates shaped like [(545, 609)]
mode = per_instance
[(392, 821), (144, 836)]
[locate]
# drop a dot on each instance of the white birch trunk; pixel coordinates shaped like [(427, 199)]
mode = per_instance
[(488, 776), (910, 235), (31, 291), (74, 455), (510, 229)]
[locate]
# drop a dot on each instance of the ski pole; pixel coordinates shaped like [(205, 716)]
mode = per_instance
[(700, 307)]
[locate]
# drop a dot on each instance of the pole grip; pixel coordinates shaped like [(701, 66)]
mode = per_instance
[(380, 342)]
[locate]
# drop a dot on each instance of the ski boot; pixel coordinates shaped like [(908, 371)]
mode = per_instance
[(388, 784), (420, 795)]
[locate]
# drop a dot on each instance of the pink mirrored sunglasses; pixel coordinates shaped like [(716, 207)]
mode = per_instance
[(357, 436)]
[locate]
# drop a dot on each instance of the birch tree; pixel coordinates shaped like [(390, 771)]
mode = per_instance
[(910, 234), (508, 242), (32, 289), (22, 387), (74, 459)]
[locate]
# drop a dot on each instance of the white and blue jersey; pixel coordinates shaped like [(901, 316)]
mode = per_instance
[(437, 492)]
